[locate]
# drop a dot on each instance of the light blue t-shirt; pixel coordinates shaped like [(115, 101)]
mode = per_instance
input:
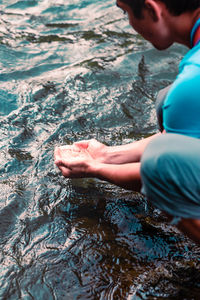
[(181, 109)]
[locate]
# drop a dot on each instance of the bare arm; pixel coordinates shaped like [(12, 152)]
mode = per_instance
[(115, 154), (75, 165), (128, 153), (126, 176), (119, 165)]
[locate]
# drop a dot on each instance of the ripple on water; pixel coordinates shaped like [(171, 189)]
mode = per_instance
[(8, 102)]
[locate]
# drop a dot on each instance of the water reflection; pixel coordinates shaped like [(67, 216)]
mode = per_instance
[(71, 71)]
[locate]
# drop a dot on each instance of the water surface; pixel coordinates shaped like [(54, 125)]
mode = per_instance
[(73, 70)]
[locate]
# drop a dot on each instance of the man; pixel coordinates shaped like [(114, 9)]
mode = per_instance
[(167, 164)]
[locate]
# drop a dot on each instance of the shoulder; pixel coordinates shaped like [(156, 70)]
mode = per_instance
[(187, 82), (192, 57)]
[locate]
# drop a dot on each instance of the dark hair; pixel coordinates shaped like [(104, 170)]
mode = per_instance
[(176, 7)]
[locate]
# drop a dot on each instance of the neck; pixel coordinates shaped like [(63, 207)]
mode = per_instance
[(181, 27)]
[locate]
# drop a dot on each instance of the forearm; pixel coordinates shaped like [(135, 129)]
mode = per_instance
[(124, 175), (128, 153)]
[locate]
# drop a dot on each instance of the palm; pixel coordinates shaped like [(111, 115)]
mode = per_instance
[(94, 149)]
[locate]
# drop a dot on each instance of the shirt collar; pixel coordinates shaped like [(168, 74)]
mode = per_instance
[(195, 33)]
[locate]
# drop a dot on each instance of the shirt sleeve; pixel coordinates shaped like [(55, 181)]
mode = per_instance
[(181, 109)]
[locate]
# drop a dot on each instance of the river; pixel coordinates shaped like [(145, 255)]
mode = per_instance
[(72, 70)]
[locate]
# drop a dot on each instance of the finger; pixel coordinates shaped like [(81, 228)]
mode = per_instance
[(60, 163), (67, 151), (56, 153), (69, 163), (65, 172), (66, 147)]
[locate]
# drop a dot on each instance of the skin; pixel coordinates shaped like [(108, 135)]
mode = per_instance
[(120, 165)]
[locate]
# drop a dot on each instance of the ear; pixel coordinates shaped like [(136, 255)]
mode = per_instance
[(154, 9)]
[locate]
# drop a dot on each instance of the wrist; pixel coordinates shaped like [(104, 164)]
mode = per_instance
[(96, 170)]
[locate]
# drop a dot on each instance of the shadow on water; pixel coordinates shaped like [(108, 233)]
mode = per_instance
[(73, 71)]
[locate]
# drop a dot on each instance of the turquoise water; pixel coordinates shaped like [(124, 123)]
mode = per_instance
[(71, 70)]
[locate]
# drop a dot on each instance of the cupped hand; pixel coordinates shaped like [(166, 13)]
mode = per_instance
[(74, 162)]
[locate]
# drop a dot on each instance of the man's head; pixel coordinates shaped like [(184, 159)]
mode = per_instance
[(175, 7), (162, 22)]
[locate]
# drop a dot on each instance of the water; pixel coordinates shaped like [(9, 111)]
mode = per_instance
[(72, 70)]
